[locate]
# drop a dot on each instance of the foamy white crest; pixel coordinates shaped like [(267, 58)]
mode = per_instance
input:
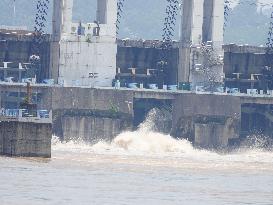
[(146, 142)]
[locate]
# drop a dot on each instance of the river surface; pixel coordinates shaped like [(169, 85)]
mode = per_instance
[(141, 167)]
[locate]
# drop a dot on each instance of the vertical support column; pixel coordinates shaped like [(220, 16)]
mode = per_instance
[(217, 31), (61, 26), (62, 18), (214, 23), (67, 16), (101, 11), (107, 12), (20, 76), (57, 20), (207, 22), (192, 21), (56, 37), (213, 28), (191, 34), (197, 21)]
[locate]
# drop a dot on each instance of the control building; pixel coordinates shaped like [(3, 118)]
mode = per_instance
[(84, 54)]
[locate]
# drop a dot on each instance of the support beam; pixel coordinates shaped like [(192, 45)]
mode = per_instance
[(201, 21), (191, 34), (107, 12), (67, 10), (56, 20), (192, 21), (217, 31)]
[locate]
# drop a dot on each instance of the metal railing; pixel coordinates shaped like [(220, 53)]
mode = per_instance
[(25, 114)]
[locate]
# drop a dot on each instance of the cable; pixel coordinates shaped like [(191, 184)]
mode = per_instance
[(227, 9), (120, 5), (170, 22), (42, 7)]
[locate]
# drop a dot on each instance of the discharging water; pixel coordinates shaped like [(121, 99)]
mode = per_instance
[(141, 167)]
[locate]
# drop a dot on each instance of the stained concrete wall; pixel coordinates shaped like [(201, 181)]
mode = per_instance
[(100, 113), (207, 118), (201, 118), (92, 128), (91, 99), (208, 135), (25, 139), (84, 54)]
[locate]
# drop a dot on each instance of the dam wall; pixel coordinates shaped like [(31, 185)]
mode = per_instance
[(208, 120), (93, 114), (89, 114), (92, 128), (25, 139)]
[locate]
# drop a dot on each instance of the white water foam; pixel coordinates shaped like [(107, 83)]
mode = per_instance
[(145, 143)]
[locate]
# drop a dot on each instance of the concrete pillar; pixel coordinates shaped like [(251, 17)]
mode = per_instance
[(5, 74), (61, 26), (20, 76), (201, 21), (62, 18), (107, 12), (207, 21), (217, 31), (192, 21), (213, 23), (191, 34), (57, 20), (67, 11), (183, 73)]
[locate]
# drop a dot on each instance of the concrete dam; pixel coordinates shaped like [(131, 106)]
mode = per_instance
[(98, 86), (211, 120)]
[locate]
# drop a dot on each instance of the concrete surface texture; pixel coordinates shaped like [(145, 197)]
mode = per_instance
[(202, 22), (25, 139), (97, 112), (92, 128), (87, 50), (207, 120)]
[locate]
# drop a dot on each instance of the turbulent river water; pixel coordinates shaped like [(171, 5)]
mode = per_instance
[(141, 167)]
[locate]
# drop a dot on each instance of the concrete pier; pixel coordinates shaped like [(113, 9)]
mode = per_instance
[(25, 137), (209, 120)]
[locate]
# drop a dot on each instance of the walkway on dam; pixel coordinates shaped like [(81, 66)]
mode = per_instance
[(142, 93)]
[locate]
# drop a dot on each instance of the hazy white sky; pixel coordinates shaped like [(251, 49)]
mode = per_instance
[(235, 2)]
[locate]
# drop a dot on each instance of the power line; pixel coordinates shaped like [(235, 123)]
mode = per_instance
[(42, 8), (120, 5), (170, 20)]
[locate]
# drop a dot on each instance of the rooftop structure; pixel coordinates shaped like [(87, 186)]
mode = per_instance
[(84, 54)]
